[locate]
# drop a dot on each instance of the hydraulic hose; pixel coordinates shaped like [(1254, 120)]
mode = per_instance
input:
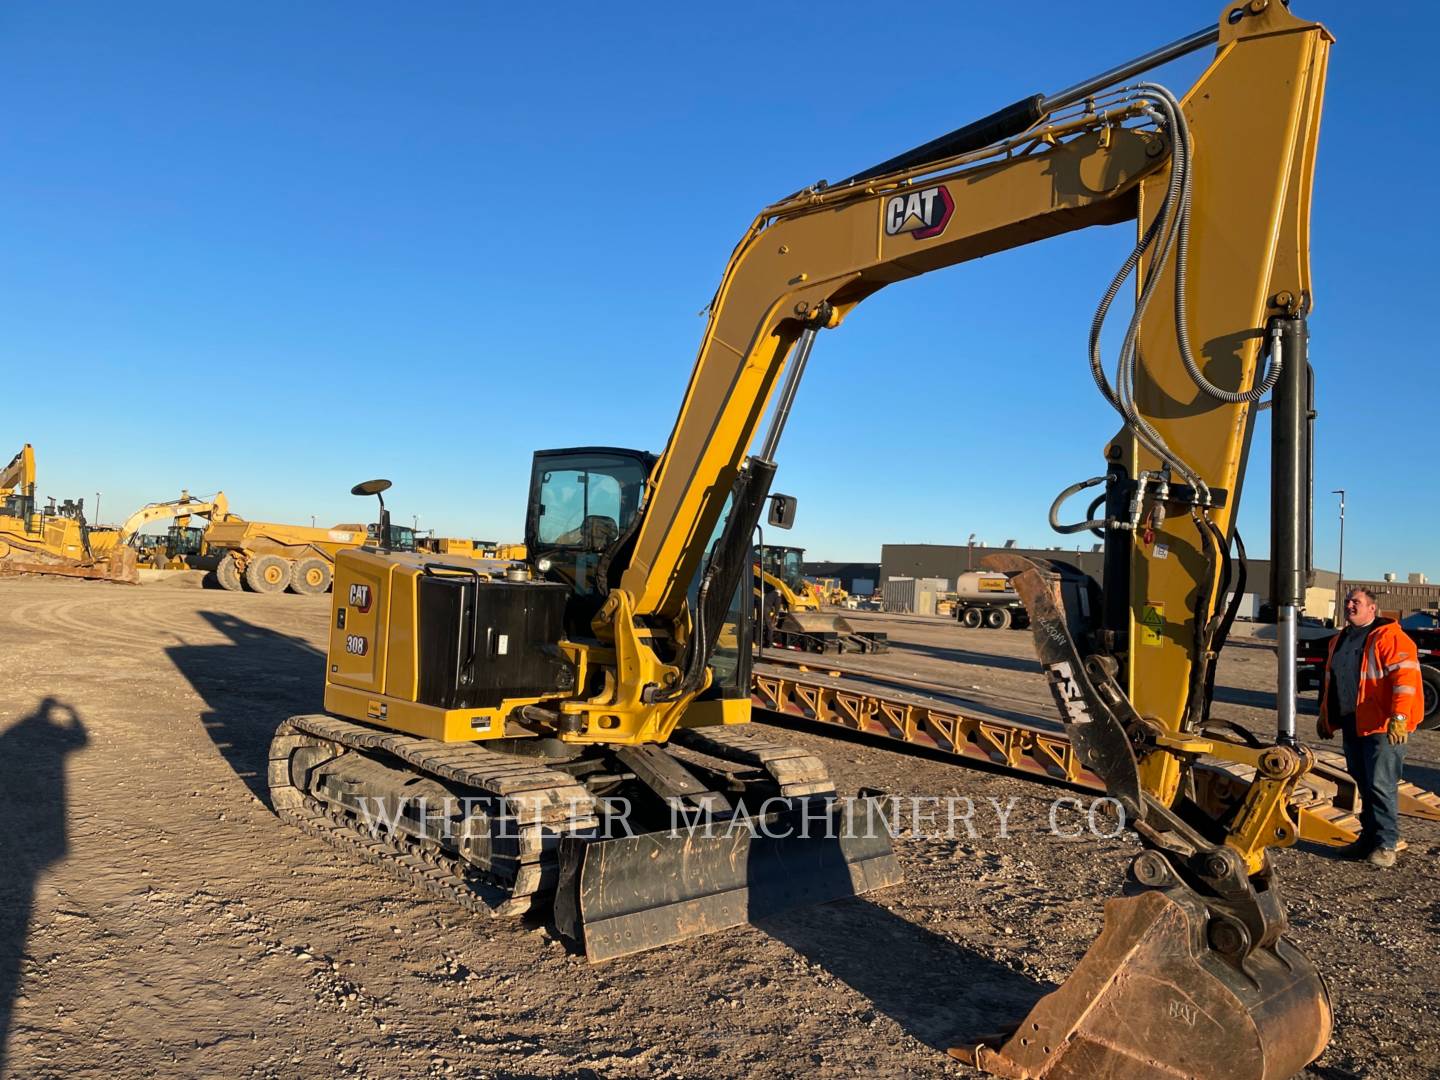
[(1097, 523)]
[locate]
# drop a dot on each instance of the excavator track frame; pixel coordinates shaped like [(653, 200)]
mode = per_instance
[(559, 860)]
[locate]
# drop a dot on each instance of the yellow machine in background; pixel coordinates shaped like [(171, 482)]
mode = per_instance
[(181, 540), (471, 549), (829, 590), (267, 557), (270, 557), (787, 608), (607, 671), (51, 539), (780, 585)]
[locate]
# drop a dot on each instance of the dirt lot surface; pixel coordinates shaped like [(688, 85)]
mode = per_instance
[(157, 920)]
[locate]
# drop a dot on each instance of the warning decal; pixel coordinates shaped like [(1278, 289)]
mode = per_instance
[(1152, 624)]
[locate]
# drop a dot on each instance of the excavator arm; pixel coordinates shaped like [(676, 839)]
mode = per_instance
[(19, 474), (1193, 975), (181, 509)]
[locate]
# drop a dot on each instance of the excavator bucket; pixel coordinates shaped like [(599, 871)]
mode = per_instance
[(1151, 1000), (627, 894)]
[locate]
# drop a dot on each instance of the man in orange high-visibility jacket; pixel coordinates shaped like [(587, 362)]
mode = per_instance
[(1372, 695)]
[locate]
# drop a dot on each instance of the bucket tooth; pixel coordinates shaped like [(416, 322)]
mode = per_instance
[(1149, 1001), (624, 895)]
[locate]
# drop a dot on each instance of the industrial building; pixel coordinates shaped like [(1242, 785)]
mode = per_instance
[(1400, 598), (856, 578), (951, 560)]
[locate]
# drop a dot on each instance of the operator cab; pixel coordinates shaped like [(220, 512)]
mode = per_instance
[(786, 564), (402, 537), (582, 503), (578, 530), (182, 540)]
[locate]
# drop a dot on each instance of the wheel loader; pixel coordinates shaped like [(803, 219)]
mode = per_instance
[(572, 734), (787, 608)]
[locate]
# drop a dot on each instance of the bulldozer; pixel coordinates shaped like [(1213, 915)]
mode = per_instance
[(487, 735), (54, 539)]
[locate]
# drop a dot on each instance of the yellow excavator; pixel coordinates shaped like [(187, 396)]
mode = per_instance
[(181, 539), (53, 539), (483, 733)]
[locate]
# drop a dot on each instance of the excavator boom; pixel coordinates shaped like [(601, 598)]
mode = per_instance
[(19, 474), (216, 508)]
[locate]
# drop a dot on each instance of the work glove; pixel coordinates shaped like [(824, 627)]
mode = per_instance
[(1323, 728), (1399, 730)]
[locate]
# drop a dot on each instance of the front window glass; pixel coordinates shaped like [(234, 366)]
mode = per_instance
[(785, 564), (581, 509), (183, 540), (581, 502)]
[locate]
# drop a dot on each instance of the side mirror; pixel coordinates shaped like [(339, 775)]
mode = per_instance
[(782, 511)]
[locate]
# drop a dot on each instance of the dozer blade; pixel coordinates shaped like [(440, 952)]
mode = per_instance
[(829, 633), (625, 895), (119, 564), (1150, 1000), (814, 622)]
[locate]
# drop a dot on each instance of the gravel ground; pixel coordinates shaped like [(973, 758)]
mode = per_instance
[(157, 920)]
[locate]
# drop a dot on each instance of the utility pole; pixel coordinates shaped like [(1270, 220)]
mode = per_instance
[(1340, 572)]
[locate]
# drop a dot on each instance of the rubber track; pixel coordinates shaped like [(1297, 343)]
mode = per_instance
[(316, 819), (547, 803)]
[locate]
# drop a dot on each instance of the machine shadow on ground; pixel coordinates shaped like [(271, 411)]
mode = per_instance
[(938, 991), (33, 833), (250, 683)]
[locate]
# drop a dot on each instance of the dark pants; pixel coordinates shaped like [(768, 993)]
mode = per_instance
[(1375, 764)]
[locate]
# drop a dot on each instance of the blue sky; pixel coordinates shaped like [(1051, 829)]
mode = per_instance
[(279, 248)]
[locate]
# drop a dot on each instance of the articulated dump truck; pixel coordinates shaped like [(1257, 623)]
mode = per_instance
[(267, 557), (54, 539)]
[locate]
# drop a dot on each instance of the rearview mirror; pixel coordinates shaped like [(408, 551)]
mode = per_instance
[(782, 511), (370, 487)]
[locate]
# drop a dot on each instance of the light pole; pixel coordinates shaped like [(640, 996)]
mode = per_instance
[(97, 507), (970, 553), (1340, 571)]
